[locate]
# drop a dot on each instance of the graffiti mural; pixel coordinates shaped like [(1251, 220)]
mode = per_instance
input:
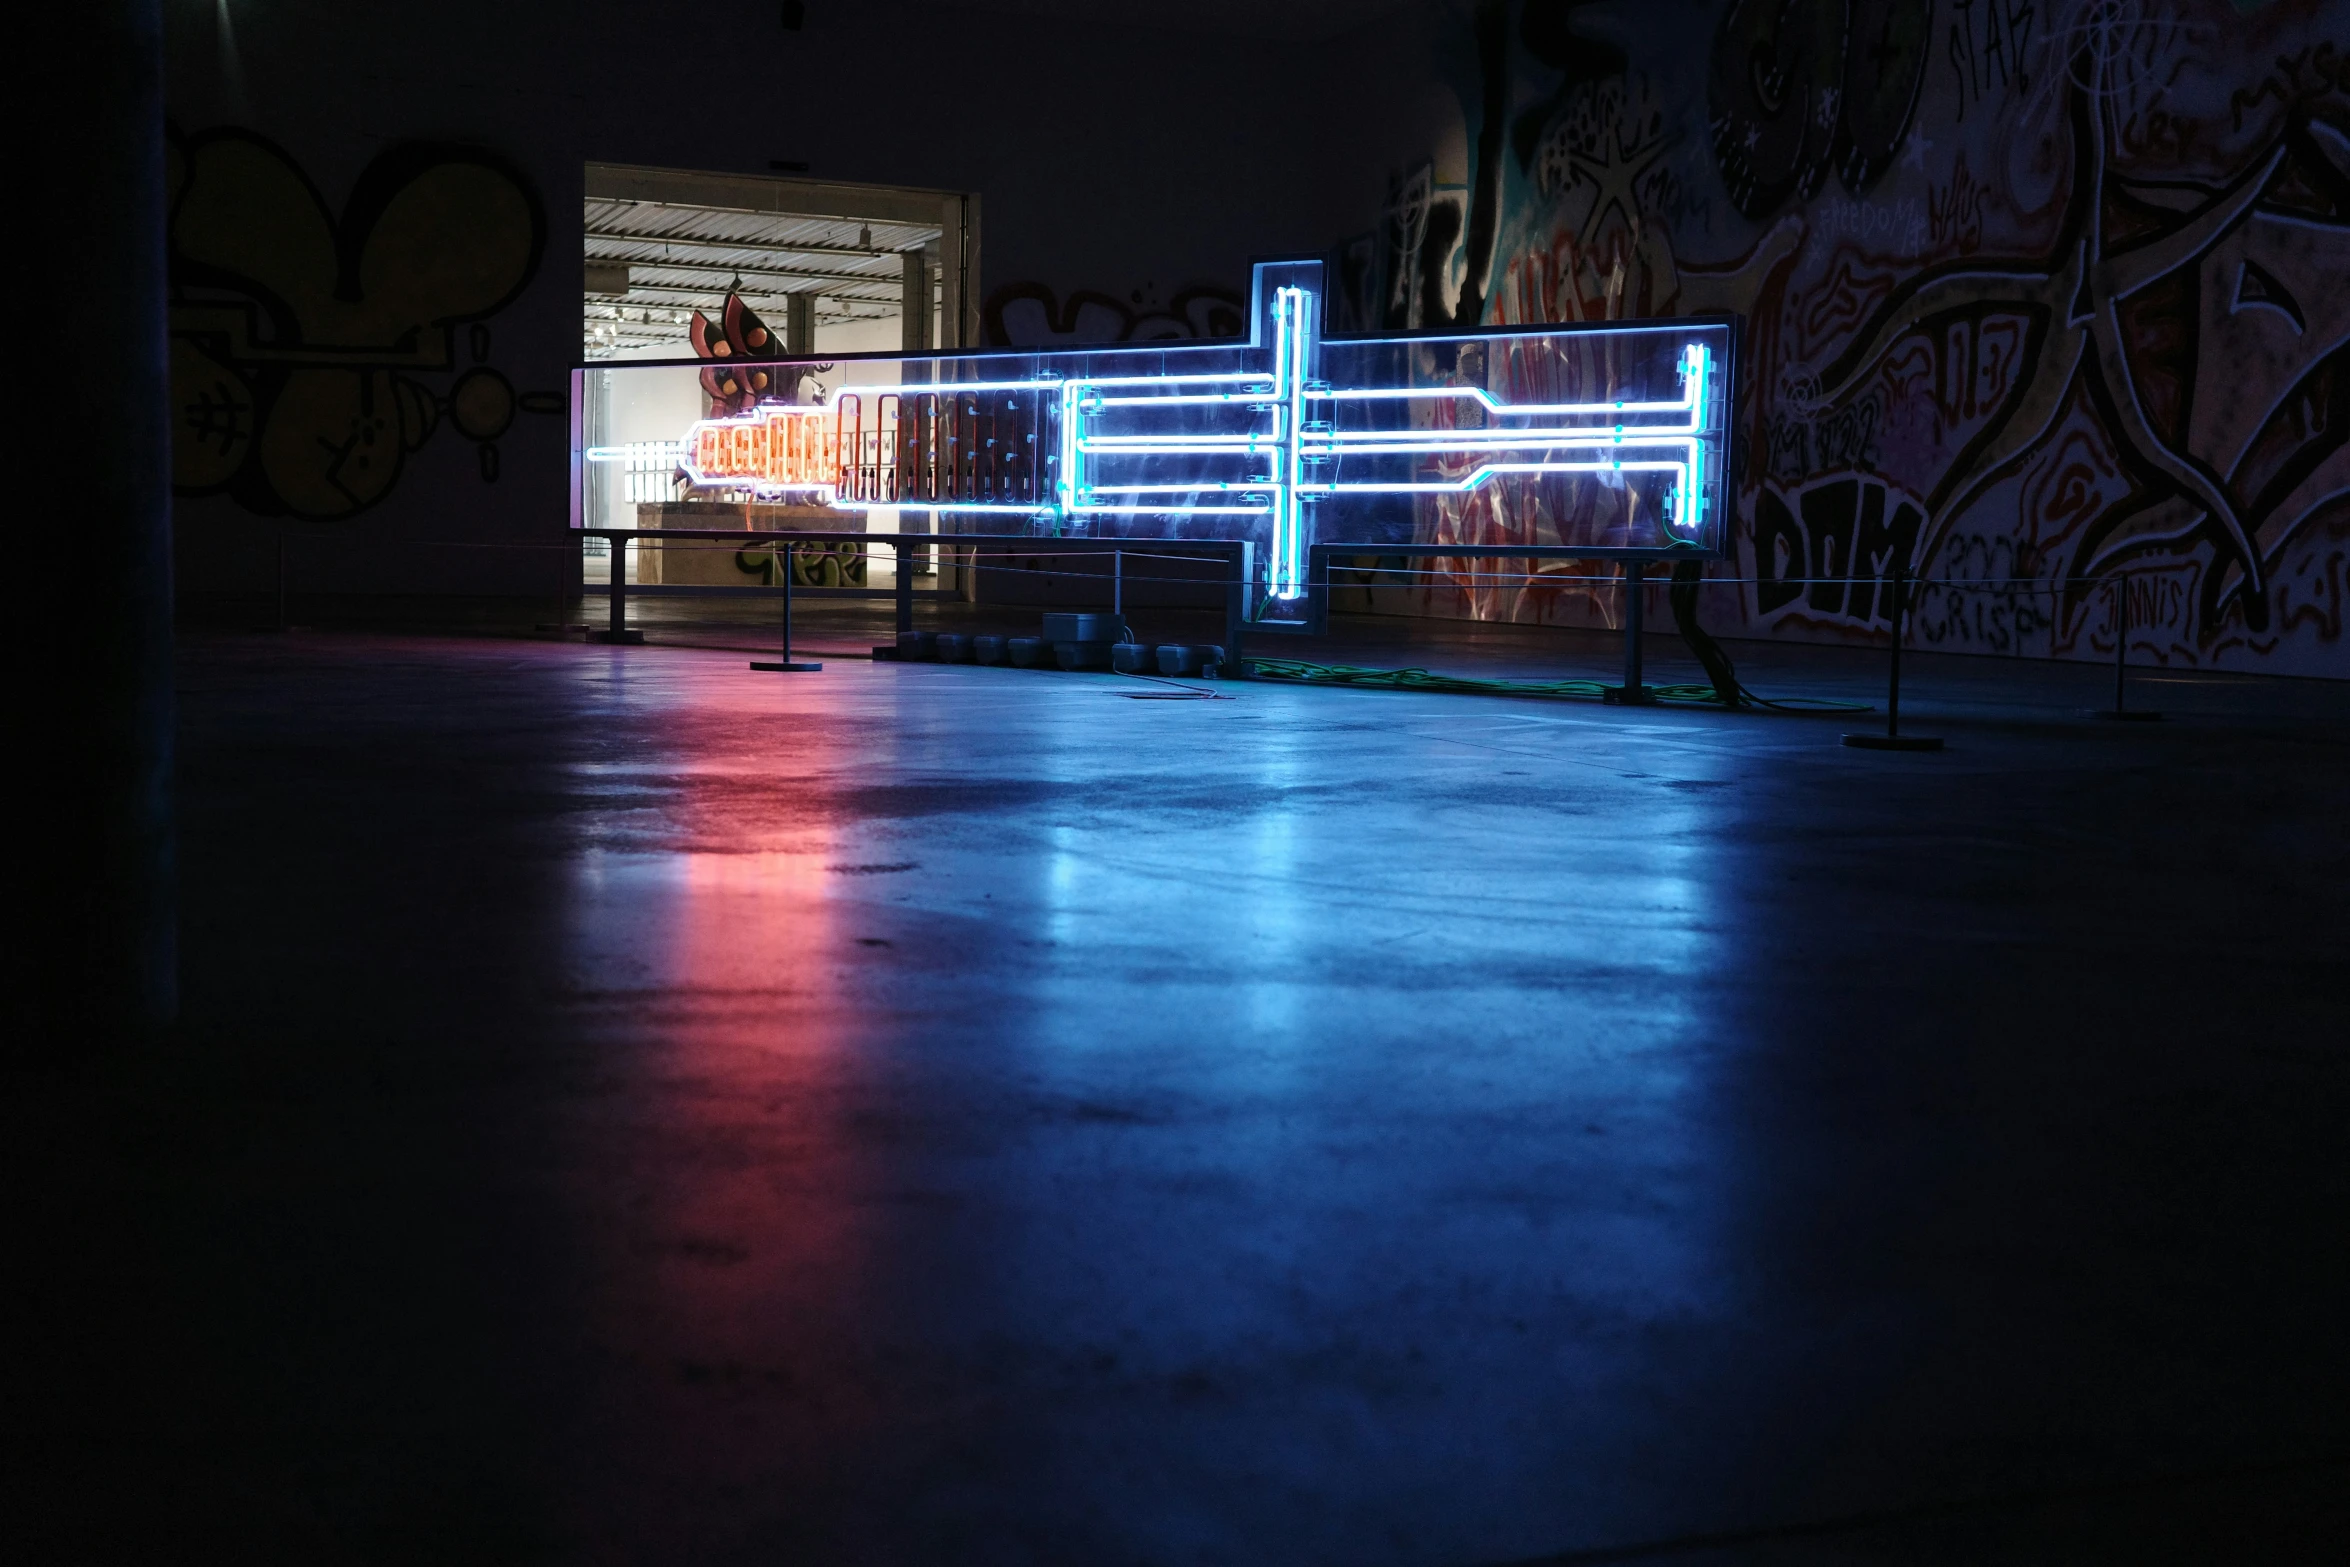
[(1797, 87), (2038, 292), (312, 353), (1032, 315)]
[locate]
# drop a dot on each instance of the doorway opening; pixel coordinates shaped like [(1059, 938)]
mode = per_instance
[(818, 268)]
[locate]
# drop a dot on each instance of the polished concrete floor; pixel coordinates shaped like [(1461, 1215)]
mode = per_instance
[(635, 1110)]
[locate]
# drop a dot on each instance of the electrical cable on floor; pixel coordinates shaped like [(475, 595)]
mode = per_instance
[(1300, 672), (1688, 577), (1181, 692), (1725, 691)]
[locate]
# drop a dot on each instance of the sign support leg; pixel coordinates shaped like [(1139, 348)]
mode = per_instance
[(785, 666), (2121, 711), (1632, 693), (619, 634), (1893, 739)]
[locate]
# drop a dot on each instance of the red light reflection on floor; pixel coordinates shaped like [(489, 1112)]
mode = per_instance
[(733, 1237)]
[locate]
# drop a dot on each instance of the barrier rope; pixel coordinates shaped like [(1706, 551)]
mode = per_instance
[(946, 545), (1723, 689)]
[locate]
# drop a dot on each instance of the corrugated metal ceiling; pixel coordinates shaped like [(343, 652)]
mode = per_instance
[(683, 258)]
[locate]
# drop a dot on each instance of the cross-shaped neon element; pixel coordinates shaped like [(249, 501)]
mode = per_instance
[(1286, 443), (1275, 439)]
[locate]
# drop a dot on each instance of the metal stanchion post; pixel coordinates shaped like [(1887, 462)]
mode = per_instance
[(617, 590), (902, 578), (1893, 739), (1239, 569), (1632, 692), (904, 573), (2121, 710), (2121, 649), (785, 666)]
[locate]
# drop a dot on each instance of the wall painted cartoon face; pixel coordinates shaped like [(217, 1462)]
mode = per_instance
[(301, 342)]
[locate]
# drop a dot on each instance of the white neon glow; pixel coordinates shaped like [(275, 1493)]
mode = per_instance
[(1648, 436), (1293, 311), (1092, 403), (1092, 420), (636, 451), (1188, 380), (1487, 471), (1494, 405)]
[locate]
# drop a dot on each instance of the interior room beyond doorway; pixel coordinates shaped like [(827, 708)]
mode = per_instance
[(817, 267)]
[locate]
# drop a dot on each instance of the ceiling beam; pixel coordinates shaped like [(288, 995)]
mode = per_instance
[(695, 296), (726, 269), (772, 246), (756, 193)]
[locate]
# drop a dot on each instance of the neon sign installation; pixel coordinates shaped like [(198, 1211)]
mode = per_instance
[(1283, 436)]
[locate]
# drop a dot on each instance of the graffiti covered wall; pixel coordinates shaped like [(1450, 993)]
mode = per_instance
[(1032, 314), (2050, 292), (377, 258), (312, 354)]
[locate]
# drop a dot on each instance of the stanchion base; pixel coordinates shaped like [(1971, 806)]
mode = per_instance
[(2134, 715), (786, 669), (618, 638), (1875, 742), (1628, 696)]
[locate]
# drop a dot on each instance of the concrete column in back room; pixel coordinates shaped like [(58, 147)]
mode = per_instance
[(96, 840), (915, 302)]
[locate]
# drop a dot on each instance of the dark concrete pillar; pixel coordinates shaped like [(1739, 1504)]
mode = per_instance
[(915, 302), (91, 561)]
